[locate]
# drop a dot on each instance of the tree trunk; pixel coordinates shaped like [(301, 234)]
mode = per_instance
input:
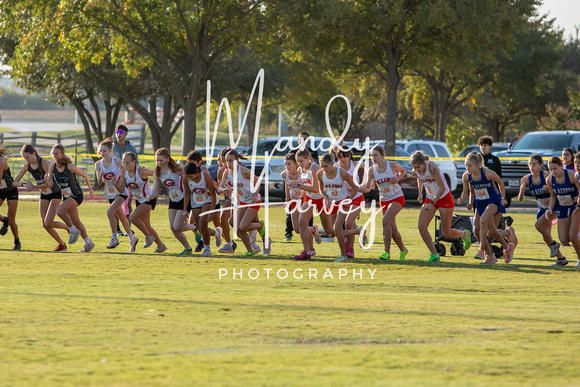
[(189, 122), (391, 120), (250, 125)]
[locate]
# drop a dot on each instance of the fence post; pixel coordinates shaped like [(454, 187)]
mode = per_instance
[(33, 139), (58, 138), (142, 145)]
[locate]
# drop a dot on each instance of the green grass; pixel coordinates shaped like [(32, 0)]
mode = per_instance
[(114, 318)]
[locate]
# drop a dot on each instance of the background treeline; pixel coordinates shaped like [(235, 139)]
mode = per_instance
[(446, 69)]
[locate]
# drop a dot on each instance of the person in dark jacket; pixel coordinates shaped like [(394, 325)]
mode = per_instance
[(490, 161)]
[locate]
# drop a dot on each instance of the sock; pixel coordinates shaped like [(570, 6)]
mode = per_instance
[(17, 240), (72, 228), (114, 235), (87, 240)]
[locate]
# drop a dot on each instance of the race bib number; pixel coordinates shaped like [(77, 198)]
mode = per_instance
[(199, 199), (3, 184), (565, 200), (387, 190), (544, 203), (333, 194), (45, 191), (176, 196), (429, 191), (481, 194), (66, 192)]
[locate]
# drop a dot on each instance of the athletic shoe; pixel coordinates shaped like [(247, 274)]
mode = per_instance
[(341, 259), (4, 228), (467, 240), (113, 243), (509, 253), (160, 249), (218, 236), (88, 247), (403, 254), (74, 236), (262, 231), (350, 253), (206, 252), (234, 246), (17, 246), (577, 263), (248, 254), (120, 233), (560, 262), (288, 238), (253, 235), (554, 249), (199, 246), (267, 250), (60, 248), (149, 239), (490, 260), (479, 255), (364, 240), (133, 245), (312, 253), (226, 249), (186, 252), (316, 234), (302, 256), (433, 258), (255, 248), (385, 256)]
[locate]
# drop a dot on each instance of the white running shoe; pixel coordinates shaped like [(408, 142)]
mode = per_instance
[(113, 243), (554, 249), (73, 236), (267, 250), (255, 248), (88, 247), (206, 251), (218, 236), (149, 239), (133, 244), (577, 263), (160, 249)]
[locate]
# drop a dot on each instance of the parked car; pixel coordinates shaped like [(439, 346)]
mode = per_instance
[(434, 148), (497, 147), (544, 143)]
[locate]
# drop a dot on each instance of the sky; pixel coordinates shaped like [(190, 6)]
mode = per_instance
[(566, 13)]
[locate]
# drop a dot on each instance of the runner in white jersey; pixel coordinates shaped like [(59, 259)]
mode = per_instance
[(108, 171), (386, 175), (347, 163), (293, 196), (248, 200), (439, 197), (136, 179), (312, 200), (200, 192), (333, 182), (168, 173)]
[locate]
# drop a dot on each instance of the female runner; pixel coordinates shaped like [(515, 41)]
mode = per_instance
[(9, 193), (230, 246), (64, 172)]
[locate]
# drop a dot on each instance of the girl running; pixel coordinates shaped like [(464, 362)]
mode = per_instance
[(333, 181), (50, 198), (439, 198), (201, 197), (247, 216), (312, 200), (488, 203), (230, 246), (386, 175), (108, 172), (168, 173), (536, 182), (64, 172), (9, 193), (568, 159), (293, 195), (136, 179), (565, 201)]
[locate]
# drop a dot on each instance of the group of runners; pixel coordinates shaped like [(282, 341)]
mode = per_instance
[(331, 190)]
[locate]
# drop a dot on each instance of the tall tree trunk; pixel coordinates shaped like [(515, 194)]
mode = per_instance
[(391, 120), (189, 122)]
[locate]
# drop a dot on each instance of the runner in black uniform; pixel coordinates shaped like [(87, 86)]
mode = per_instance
[(9, 193)]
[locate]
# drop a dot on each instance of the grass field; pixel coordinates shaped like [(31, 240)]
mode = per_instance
[(114, 318)]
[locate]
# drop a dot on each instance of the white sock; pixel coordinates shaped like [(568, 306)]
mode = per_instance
[(87, 240), (73, 228), (114, 235)]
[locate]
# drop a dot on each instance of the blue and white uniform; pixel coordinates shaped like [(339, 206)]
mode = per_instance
[(564, 191), (485, 194), (541, 193)]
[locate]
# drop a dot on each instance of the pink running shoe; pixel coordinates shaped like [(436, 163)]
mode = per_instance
[(350, 253), (312, 253), (304, 255), (479, 255), (509, 253)]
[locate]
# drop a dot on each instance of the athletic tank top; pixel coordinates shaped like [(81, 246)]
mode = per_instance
[(540, 192), (199, 192), (173, 183), (428, 181), (308, 180), (351, 171), (111, 176), (68, 183), (564, 190), (140, 189), (387, 191), (335, 188), (296, 192), (244, 187), (7, 180), (38, 175), (484, 189)]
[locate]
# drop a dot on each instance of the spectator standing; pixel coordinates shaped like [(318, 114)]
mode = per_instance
[(120, 146), (489, 161)]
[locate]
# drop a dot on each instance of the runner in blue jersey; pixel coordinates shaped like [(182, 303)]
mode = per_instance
[(536, 182), (479, 182)]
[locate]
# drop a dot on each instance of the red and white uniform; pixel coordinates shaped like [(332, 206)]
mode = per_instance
[(295, 193), (428, 181), (358, 199), (140, 189), (308, 180), (199, 192), (335, 188), (387, 190), (173, 182), (111, 176), (244, 187)]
